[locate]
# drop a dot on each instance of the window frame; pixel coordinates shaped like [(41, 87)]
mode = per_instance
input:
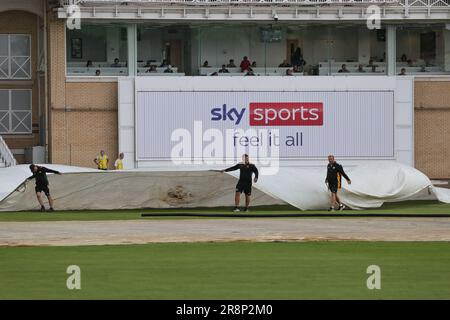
[(9, 76), (10, 113)]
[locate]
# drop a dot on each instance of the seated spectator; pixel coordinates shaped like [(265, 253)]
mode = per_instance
[(206, 64), (164, 63), (343, 69), (116, 63), (250, 72), (360, 68), (373, 66), (410, 63), (403, 58), (245, 64), (231, 64), (168, 69), (152, 68), (402, 72), (284, 64), (224, 69), (253, 64), (97, 72), (89, 64), (298, 69), (214, 74), (289, 72), (423, 69), (148, 64)]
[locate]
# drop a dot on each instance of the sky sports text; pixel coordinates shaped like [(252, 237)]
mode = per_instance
[(273, 114), (217, 147)]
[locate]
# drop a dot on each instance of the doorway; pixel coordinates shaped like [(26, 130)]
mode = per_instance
[(174, 53)]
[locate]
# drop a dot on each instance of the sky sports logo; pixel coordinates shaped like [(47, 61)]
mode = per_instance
[(273, 114)]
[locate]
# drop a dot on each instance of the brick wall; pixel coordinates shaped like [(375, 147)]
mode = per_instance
[(89, 122), (83, 115), (432, 127)]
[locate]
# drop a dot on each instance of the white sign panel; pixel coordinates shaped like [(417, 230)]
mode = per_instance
[(302, 124)]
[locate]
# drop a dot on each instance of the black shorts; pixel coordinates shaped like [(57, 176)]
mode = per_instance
[(333, 187), (42, 188), (244, 187)]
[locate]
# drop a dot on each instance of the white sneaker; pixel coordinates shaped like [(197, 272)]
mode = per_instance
[(236, 210), (341, 207)]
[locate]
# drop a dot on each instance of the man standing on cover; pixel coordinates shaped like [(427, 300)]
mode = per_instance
[(40, 174), (335, 172), (245, 181)]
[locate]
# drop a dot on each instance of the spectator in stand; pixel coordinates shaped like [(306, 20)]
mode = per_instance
[(97, 72), (297, 69), (152, 68), (206, 64), (148, 64), (284, 64), (250, 72), (403, 58), (343, 69), (297, 58), (402, 72), (168, 69), (89, 64), (253, 64), (289, 72), (164, 63), (361, 68), (373, 66), (116, 63), (410, 63), (231, 64), (245, 64), (223, 69)]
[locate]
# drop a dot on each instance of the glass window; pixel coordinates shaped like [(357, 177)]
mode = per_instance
[(421, 49), (15, 111), (97, 50), (348, 50), (15, 56), (164, 50)]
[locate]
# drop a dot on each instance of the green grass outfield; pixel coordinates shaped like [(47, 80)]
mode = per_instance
[(239, 270), (409, 207)]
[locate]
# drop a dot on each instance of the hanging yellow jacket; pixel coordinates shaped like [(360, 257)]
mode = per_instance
[(102, 162)]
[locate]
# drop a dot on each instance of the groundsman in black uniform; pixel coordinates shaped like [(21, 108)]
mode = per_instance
[(335, 172), (244, 184), (40, 174)]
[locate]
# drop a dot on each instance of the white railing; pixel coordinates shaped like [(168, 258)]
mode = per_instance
[(228, 2), (400, 3), (6, 155)]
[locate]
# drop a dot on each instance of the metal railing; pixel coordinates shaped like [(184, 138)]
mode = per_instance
[(228, 2), (400, 3), (6, 155)]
